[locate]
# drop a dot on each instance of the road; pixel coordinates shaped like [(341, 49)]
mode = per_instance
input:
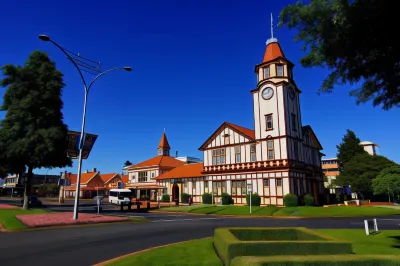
[(91, 245)]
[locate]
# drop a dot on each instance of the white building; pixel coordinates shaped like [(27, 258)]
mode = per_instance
[(278, 157)]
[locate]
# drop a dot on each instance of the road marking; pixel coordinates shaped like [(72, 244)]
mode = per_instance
[(177, 220), (388, 219)]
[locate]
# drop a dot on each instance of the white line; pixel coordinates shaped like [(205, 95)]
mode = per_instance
[(389, 219), (176, 220)]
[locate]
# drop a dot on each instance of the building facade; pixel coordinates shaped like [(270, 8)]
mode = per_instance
[(277, 157)]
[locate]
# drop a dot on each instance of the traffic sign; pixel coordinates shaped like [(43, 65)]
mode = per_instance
[(249, 187), (121, 185)]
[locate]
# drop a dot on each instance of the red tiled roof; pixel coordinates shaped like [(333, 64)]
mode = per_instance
[(160, 160), (272, 51), (107, 177), (85, 177), (245, 131), (164, 142), (184, 171), (125, 178)]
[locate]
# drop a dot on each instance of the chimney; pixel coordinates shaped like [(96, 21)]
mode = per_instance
[(176, 154), (94, 170), (87, 171)]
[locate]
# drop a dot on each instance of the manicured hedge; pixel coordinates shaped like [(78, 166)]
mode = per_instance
[(207, 198), (309, 200), (165, 198), (185, 198), (290, 200), (226, 199), (255, 199), (320, 260), (284, 241)]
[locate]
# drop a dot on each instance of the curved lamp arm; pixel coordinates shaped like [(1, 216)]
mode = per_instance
[(73, 62), (103, 73)]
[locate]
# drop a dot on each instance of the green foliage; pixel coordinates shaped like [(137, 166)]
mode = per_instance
[(185, 198), (290, 200), (165, 198), (127, 163), (207, 198), (349, 148), (274, 241), (144, 197), (309, 200), (33, 134), (387, 181), (255, 199), (319, 260), (361, 170), (226, 199), (338, 34)]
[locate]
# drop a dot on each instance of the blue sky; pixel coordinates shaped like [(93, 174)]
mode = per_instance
[(193, 68)]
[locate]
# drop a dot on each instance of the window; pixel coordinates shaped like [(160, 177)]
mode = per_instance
[(268, 122), (142, 176), (193, 188), (279, 70), (296, 150), (219, 187), (279, 182), (266, 72), (270, 149), (294, 122), (237, 154), (205, 186), (266, 187), (218, 156), (239, 188), (152, 175), (266, 182), (226, 140), (252, 152)]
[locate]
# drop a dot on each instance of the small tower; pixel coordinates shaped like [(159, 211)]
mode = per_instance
[(163, 147)]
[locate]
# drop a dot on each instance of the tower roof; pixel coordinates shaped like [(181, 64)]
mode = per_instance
[(272, 51), (164, 142)]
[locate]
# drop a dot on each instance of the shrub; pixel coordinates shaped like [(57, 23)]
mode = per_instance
[(287, 241), (255, 199), (165, 198), (185, 198), (309, 200), (328, 260), (226, 199), (290, 200), (207, 198), (144, 197)]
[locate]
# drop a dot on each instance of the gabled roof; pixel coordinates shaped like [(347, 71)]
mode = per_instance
[(125, 178), (108, 177), (246, 132), (160, 160), (85, 177), (183, 171), (164, 142), (308, 128)]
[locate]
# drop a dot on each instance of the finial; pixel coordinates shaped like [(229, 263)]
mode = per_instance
[(272, 39), (164, 129)]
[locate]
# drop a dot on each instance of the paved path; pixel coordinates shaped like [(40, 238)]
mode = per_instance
[(90, 245)]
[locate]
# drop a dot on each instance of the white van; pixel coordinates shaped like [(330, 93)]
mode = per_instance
[(116, 196)]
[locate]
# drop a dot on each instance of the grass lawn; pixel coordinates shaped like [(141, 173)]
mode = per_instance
[(9, 221), (193, 253), (201, 252), (287, 211)]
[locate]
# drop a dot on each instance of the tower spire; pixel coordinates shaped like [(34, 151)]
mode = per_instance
[(272, 39)]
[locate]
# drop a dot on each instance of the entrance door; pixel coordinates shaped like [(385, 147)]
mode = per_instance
[(175, 192)]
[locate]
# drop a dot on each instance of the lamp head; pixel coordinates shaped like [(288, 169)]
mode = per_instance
[(128, 68), (44, 37)]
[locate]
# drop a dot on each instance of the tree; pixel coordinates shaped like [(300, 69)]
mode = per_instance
[(387, 181), (127, 163), (349, 147), (33, 134), (349, 38), (361, 170)]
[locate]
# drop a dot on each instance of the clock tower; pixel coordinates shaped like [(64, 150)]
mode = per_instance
[(276, 105)]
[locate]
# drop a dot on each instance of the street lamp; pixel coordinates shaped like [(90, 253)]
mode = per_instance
[(86, 88)]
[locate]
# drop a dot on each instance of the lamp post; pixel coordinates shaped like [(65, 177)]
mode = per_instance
[(87, 89)]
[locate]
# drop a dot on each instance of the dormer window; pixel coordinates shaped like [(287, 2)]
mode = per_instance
[(279, 70), (266, 72)]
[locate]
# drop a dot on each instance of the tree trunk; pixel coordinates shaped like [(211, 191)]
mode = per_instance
[(27, 190)]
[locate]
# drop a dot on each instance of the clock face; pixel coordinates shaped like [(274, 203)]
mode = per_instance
[(267, 93)]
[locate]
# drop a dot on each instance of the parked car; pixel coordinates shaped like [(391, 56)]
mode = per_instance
[(33, 201)]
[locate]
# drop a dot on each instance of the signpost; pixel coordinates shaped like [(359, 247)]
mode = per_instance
[(121, 185), (371, 224), (74, 138), (249, 189)]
